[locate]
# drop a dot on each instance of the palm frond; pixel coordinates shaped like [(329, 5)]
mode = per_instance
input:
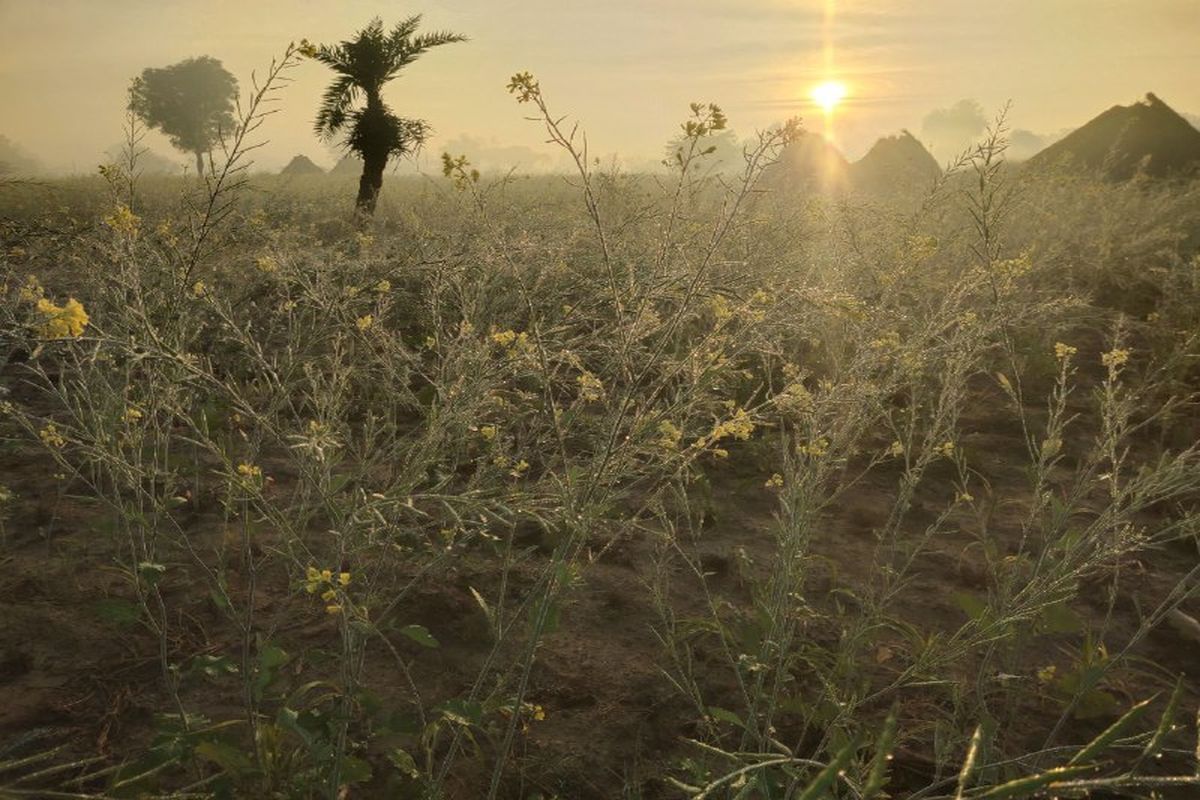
[(414, 47), (334, 56), (401, 33), (419, 44), (335, 106)]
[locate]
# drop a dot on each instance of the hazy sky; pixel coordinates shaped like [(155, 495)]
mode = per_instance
[(625, 68)]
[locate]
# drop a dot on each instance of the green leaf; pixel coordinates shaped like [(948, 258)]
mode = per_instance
[(819, 788), (151, 573), (552, 619), (117, 611), (1168, 718), (354, 770), (289, 719), (220, 600), (462, 712), (370, 703), (725, 715), (270, 659), (419, 634), (973, 605), (337, 483), (226, 756), (1059, 618), (1026, 787), (404, 762), (400, 723), (968, 766), (1096, 703), (877, 777), (1110, 734)]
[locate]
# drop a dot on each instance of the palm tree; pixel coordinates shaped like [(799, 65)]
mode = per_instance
[(363, 65)]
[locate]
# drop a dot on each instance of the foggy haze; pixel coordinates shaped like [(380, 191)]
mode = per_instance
[(65, 66)]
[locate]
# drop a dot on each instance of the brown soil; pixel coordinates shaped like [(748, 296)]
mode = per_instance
[(68, 675)]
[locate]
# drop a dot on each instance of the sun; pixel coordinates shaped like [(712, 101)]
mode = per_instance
[(828, 94)]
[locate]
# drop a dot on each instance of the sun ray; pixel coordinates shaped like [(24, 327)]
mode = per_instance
[(828, 94)]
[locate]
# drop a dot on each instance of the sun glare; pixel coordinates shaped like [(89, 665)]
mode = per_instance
[(827, 95)]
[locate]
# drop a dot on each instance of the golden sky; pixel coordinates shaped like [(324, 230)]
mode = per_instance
[(625, 68)]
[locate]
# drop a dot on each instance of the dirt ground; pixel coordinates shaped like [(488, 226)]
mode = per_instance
[(71, 674)]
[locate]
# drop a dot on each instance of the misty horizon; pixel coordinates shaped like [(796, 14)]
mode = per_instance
[(756, 60)]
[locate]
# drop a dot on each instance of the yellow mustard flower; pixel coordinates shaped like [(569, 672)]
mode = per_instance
[(739, 427), (719, 306), (669, 435), (165, 231), (51, 437), (815, 448), (124, 221), (249, 471), (31, 291), (590, 387), (312, 580), (794, 399), (62, 322), (1051, 447), (1115, 358), (1064, 351)]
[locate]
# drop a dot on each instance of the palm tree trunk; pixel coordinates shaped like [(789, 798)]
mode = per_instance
[(199, 164), (370, 183), (374, 152)]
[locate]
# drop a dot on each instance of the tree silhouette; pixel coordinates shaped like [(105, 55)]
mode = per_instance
[(722, 152), (14, 160), (949, 130), (191, 102), (363, 65)]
